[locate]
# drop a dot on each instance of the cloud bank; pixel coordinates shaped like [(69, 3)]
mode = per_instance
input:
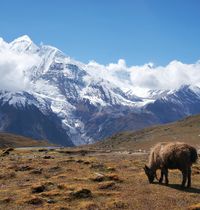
[(13, 67), (147, 76)]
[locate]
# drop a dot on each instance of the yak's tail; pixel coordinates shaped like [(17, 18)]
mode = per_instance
[(193, 155)]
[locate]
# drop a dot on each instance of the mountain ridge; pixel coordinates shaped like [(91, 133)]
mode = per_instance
[(79, 102)]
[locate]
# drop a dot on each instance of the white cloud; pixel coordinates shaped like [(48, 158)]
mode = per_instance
[(12, 70), (147, 76), (14, 66), (116, 73), (171, 76)]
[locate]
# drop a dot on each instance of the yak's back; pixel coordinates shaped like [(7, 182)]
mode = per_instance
[(179, 151)]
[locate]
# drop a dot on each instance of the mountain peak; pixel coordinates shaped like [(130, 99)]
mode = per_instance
[(24, 38), (22, 44)]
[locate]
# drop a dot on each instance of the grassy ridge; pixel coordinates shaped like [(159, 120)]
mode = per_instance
[(11, 140), (186, 130)]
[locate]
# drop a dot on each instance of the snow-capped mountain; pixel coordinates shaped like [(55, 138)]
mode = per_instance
[(47, 95)]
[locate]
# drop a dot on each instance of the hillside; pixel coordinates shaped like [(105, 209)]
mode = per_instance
[(186, 130), (11, 140)]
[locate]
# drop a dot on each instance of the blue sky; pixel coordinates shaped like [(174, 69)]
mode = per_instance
[(139, 31)]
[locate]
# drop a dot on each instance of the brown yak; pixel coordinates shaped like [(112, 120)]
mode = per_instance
[(166, 156)]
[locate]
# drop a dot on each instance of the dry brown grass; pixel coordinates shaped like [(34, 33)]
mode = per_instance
[(104, 176), (12, 140), (28, 181)]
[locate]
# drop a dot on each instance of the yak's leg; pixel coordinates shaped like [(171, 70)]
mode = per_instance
[(165, 171), (161, 177), (166, 177), (189, 177), (185, 175)]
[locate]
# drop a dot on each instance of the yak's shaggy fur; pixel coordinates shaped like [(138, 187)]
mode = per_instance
[(166, 156)]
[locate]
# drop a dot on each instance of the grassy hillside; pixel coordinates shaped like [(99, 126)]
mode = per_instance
[(11, 140), (186, 130)]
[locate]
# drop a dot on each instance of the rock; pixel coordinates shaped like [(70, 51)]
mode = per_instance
[(80, 161), (43, 150), (9, 149), (35, 201), (48, 157), (111, 169), (83, 153), (99, 178), (99, 166), (113, 177), (118, 205), (108, 177), (6, 151), (23, 168), (38, 188), (86, 162), (48, 184), (82, 193), (107, 185), (54, 169), (51, 201), (5, 200), (37, 171)]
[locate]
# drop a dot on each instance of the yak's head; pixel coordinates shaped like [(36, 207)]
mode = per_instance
[(150, 174)]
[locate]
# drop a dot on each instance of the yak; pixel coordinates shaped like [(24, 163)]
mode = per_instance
[(172, 155)]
